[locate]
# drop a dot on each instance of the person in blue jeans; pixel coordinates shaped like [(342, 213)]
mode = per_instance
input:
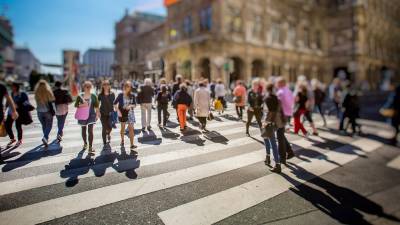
[(45, 109), (275, 115), (62, 99)]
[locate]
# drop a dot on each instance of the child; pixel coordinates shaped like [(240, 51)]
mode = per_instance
[(218, 106)]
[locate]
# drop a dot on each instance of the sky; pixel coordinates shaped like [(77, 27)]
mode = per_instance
[(48, 26)]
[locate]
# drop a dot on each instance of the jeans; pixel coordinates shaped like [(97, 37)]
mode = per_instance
[(8, 124), (162, 109), (283, 145), (182, 108), (271, 143), (46, 120), (257, 113), (105, 127), (60, 124), (239, 111), (146, 114)]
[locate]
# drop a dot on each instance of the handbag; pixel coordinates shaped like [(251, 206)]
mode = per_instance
[(3, 131), (268, 130), (237, 99), (82, 113)]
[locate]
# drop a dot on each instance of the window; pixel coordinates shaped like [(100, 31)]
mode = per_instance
[(206, 18), (307, 37), (318, 39), (257, 26), (275, 32), (291, 35), (187, 26), (235, 20)]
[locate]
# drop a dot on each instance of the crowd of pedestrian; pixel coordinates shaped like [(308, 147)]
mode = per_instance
[(272, 103)]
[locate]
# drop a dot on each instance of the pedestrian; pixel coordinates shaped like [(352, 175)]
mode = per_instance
[(177, 84), (106, 101), (126, 103), (45, 108), (275, 116), (182, 101), (300, 109), (212, 90), (286, 98), (62, 99), (11, 105), (255, 99), (145, 99), (319, 95), (21, 102), (302, 80), (239, 94), (202, 101), (335, 94), (220, 92), (90, 102), (351, 106), (190, 91), (163, 99)]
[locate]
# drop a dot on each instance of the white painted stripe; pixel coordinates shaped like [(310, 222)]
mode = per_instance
[(146, 145), (56, 208), (27, 183), (219, 206), (395, 163)]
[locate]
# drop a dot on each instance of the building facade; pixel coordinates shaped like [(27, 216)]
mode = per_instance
[(138, 37), (235, 39), (25, 63), (6, 46), (97, 63)]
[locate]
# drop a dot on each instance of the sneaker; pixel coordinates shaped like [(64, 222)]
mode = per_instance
[(276, 169), (149, 128), (267, 160), (91, 150), (84, 146), (109, 138), (12, 141), (59, 138), (143, 129), (19, 142), (247, 134), (45, 142), (315, 133), (133, 147)]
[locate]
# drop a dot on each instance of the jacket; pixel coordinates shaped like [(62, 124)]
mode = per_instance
[(182, 97), (61, 96), (255, 99), (145, 95), (275, 113), (202, 102)]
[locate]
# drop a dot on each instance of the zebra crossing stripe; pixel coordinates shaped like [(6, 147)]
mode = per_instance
[(216, 207), (27, 183), (59, 207), (395, 163)]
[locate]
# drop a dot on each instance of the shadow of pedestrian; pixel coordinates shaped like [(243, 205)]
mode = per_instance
[(150, 138), (32, 155), (127, 163), (167, 133), (75, 168), (215, 137), (340, 203)]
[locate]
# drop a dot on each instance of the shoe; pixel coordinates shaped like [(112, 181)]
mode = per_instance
[(267, 160), (12, 141), (290, 155), (45, 142), (59, 138), (143, 129), (276, 169), (149, 128), (91, 150), (84, 146), (19, 142), (247, 134), (315, 133), (133, 147), (109, 138), (122, 144)]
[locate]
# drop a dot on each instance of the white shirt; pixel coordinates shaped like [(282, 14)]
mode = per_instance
[(220, 90)]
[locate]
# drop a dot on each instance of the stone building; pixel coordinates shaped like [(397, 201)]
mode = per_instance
[(98, 62), (6, 46), (25, 63), (235, 39), (137, 35)]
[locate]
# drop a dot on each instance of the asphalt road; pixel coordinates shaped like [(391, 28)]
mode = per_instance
[(213, 178)]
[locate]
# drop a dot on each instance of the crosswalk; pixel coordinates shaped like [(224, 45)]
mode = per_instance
[(62, 183)]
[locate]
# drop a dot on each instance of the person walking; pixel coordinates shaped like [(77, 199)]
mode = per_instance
[(220, 92), (202, 101), (14, 114), (21, 102), (351, 106), (239, 94), (300, 109), (285, 96), (106, 101), (145, 99), (45, 108), (255, 99), (126, 103), (62, 99), (182, 101), (275, 116), (335, 94), (190, 91), (319, 95), (87, 99), (163, 99)]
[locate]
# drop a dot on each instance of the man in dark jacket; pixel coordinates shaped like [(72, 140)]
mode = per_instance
[(145, 99)]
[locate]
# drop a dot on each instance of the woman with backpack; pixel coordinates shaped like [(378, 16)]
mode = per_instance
[(126, 103), (62, 99), (23, 106), (44, 106), (106, 100), (182, 101), (87, 103), (163, 99)]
